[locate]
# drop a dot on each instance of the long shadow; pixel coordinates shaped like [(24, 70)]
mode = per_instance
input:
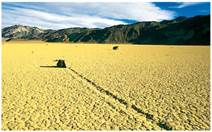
[(51, 67)]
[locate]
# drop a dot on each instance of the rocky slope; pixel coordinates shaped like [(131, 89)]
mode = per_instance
[(182, 30)]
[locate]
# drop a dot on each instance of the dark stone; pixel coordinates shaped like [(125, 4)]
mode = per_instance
[(115, 47), (8, 40), (164, 126), (61, 63)]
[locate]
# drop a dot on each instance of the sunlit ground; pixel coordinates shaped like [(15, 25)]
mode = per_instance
[(133, 87)]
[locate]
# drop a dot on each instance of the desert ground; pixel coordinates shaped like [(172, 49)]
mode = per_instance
[(136, 87)]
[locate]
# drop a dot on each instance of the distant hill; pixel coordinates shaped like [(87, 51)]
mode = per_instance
[(180, 31)]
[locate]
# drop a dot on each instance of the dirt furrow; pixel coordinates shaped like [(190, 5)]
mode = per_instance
[(122, 104)]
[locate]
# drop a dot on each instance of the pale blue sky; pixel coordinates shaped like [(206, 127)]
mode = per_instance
[(95, 15)]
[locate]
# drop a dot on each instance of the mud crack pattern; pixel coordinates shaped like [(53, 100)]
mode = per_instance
[(132, 88)]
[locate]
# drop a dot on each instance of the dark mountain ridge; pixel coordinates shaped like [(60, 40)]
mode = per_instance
[(182, 30)]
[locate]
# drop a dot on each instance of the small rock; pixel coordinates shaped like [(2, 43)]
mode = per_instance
[(115, 47), (61, 64)]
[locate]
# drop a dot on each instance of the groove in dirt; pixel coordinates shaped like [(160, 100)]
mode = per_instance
[(122, 101), (148, 116)]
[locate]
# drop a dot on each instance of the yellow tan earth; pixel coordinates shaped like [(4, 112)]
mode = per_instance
[(136, 87)]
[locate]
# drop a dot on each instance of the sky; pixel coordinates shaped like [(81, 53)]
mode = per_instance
[(95, 15)]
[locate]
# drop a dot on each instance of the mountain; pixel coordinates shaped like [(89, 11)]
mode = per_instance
[(182, 30), (22, 32)]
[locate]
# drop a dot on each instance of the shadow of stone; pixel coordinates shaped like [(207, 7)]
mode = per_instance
[(51, 67), (60, 64)]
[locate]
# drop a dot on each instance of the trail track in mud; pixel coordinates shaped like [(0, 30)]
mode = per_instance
[(132, 88)]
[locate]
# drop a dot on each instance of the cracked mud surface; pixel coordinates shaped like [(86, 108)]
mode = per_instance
[(132, 88)]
